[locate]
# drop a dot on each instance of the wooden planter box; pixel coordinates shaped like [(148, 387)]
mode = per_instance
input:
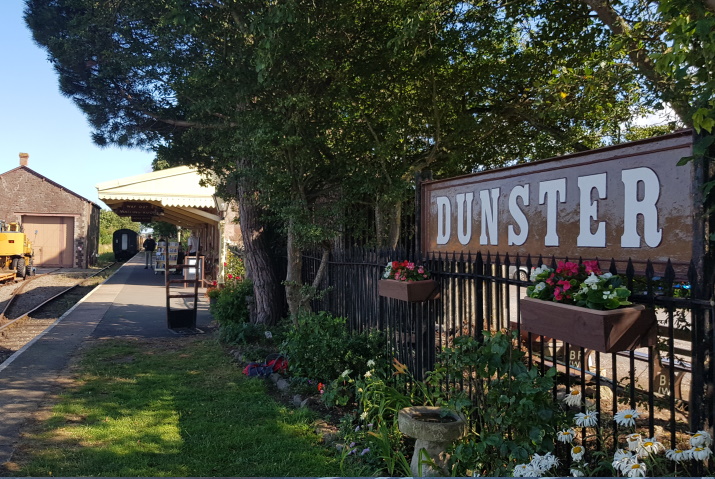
[(605, 331), (408, 290)]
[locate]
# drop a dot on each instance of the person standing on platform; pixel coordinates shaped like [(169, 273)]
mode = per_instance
[(193, 244), (149, 246)]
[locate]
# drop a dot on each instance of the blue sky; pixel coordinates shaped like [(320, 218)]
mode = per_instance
[(36, 119)]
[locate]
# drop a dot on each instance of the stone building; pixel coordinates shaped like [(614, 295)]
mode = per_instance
[(62, 225)]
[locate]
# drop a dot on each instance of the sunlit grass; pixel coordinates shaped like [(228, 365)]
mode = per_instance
[(172, 408)]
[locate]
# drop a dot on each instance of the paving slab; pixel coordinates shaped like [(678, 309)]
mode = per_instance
[(131, 303)]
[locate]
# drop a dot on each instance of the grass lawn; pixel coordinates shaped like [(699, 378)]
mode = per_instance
[(170, 407)]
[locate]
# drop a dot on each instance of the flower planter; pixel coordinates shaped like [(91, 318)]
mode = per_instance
[(408, 290), (608, 331)]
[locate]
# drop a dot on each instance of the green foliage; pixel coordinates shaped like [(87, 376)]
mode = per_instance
[(234, 268), (322, 348), (513, 411), (240, 333), (162, 229), (231, 305), (109, 222)]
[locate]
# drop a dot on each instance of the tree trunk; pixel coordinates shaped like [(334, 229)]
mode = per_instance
[(259, 268), (395, 222), (294, 280)]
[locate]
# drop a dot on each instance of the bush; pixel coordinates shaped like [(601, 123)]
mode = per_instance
[(322, 348), (231, 305), (240, 333)]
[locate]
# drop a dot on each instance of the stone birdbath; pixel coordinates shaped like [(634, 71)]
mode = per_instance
[(434, 428)]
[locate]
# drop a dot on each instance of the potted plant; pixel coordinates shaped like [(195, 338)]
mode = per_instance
[(583, 306), (212, 293), (407, 281)]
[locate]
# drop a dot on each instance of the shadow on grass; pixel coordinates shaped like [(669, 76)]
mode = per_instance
[(170, 407)]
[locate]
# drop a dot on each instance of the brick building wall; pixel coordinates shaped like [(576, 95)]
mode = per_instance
[(27, 196)]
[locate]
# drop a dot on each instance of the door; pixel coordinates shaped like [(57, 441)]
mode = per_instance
[(52, 239)]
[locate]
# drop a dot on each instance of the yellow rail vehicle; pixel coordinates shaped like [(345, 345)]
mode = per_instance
[(16, 254)]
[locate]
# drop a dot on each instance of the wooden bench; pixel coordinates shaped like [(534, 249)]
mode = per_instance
[(661, 367), (661, 373)]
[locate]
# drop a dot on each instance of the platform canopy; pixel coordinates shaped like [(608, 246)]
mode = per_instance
[(174, 195)]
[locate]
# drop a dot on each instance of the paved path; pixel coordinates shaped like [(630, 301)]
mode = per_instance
[(129, 304)]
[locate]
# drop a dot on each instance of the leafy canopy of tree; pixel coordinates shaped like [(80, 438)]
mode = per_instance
[(109, 222), (310, 112)]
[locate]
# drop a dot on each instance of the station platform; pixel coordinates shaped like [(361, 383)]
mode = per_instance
[(129, 304)]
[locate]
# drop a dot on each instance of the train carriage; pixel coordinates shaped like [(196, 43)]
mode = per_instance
[(125, 244)]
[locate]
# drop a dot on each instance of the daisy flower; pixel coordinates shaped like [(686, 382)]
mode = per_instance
[(621, 458), (566, 435), (650, 446), (543, 463), (573, 398), (678, 455), (700, 453), (577, 453), (700, 439), (636, 469), (627, 417), (634, 441), (525, 470), (586, 419)]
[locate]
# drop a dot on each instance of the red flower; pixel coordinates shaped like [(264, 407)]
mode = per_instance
[(321, 388), (230, 276)]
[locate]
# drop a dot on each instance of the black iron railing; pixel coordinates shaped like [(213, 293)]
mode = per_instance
[(672, 381)]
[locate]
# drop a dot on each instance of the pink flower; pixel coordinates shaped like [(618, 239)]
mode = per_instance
[(567, 267), (592, 267), (410, 266), (557, 294)]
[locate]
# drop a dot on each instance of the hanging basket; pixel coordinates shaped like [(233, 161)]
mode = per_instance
[(608, 331), (408, 290)]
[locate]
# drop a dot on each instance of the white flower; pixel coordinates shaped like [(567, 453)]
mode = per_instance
[(363, 416), (345, 373), (269, 335), (594, 287), (576, 472), (525, 470), (537, 271), (700, 438), (577, 453), (621, 458), (700, 453), (586, 419), (370, 363), (678, 455), (539, 287), (636, 469), (592, 280), (650, 446), (634, 441), (573, 398), (566, 435), (368, 374), (543, 463), (606, 276), (626, 417)]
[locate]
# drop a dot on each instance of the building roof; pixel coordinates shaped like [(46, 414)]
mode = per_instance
[(177, 191), (54, 183)]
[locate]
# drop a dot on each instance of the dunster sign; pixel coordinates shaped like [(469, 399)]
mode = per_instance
[(625, 201)]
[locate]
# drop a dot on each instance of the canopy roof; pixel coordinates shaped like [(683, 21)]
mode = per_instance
[(174, 195)]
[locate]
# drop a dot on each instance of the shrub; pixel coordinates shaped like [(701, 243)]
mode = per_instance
[(322, 348), (231, 305)]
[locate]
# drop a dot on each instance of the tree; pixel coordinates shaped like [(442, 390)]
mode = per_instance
[(308, 110), (109, 222)]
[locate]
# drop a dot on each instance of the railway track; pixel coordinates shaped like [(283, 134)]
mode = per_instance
[(35, 304)]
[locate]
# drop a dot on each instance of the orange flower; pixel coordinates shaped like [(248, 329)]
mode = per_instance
[(399, 367)]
